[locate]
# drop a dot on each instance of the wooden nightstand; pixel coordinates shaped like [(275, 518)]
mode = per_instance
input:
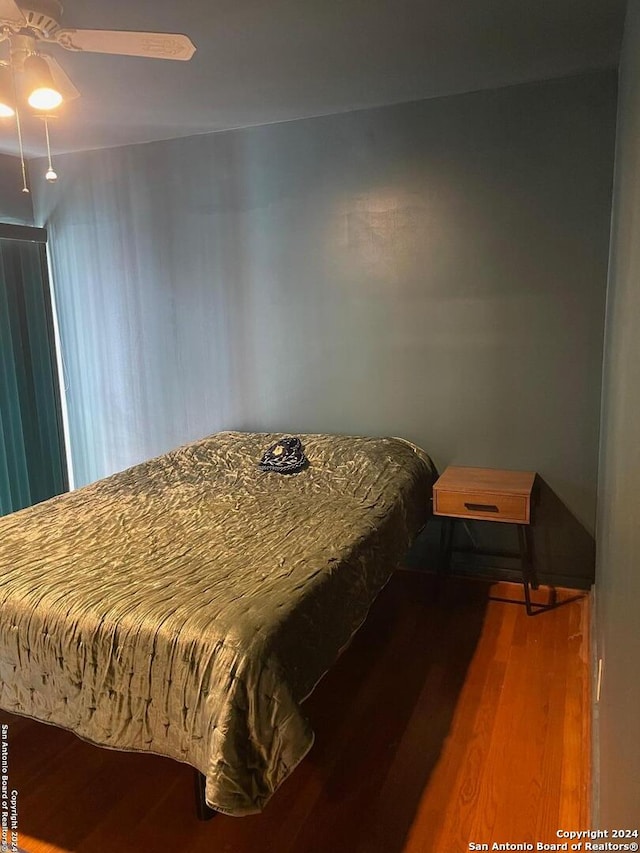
[(487, 494)]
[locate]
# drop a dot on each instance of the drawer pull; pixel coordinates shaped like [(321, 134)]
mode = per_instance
[(482, 507)]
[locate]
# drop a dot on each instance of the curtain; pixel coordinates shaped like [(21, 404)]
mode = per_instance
[(32, 461)]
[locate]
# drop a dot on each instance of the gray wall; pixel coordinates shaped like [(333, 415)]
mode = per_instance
[(15, 206), (435, 270), (618, 532)]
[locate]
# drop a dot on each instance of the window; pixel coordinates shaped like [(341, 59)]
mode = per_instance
[(32, 459)]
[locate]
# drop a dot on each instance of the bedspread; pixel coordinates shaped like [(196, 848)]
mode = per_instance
[(187, 605)]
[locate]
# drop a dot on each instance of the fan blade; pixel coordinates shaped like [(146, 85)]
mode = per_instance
[(61, 78), (10, 12), (154, 45)]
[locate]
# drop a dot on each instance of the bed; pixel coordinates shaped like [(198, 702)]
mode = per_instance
[(188, 605)]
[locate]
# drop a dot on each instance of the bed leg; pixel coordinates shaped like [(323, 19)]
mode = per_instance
[(204, 811)]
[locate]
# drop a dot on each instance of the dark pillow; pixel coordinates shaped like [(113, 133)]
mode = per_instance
[(285, 456)]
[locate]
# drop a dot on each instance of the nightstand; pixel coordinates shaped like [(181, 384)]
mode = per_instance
[(487, 494)]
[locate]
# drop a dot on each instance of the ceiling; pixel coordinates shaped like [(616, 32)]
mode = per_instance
[(262, 61)]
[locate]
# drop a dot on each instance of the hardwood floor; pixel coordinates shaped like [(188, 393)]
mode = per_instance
[(450, 719)]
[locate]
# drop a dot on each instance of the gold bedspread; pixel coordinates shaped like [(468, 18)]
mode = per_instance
[(187, 605)]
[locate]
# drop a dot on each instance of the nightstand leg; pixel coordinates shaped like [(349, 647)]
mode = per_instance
[(525, 563), (533, 577)]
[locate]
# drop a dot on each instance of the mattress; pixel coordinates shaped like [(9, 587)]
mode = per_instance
[(188, 605)]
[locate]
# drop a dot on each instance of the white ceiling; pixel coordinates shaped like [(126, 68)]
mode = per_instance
[(262, 61)]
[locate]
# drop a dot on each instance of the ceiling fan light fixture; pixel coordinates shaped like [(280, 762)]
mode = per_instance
[(43, 94), (39, 77)]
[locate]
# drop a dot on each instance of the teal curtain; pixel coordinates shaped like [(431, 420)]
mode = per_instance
[(32, 461)]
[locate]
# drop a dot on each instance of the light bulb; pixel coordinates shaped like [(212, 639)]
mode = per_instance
[(45, 98), (51, 176), (6, 111)]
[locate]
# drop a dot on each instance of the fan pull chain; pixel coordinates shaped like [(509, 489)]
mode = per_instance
[(25, 188), (51, 175)]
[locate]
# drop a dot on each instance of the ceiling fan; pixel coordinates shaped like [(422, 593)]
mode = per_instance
[(28, 24)]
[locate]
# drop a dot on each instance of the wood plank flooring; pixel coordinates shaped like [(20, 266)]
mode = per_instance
[(451, 718)]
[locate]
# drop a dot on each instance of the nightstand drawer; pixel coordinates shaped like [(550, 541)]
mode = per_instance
[(482, 505)]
